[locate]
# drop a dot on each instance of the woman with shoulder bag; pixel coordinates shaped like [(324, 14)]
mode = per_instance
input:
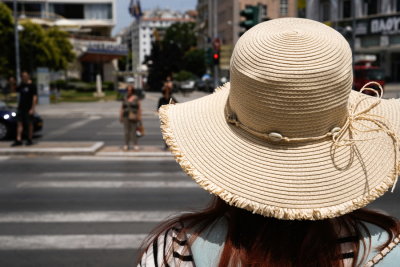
[(292, 155), (130, 115)]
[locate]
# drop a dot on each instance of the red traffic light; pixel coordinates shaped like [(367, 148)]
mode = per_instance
[(215, 56)]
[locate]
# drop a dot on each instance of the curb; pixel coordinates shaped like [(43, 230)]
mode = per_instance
[(52, 151)]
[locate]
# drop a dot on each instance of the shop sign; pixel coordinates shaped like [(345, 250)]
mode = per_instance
[(387, 25), (107, 48)]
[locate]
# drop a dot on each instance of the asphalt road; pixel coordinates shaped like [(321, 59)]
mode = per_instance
[(96, 128), (74, 212), (92, 211)]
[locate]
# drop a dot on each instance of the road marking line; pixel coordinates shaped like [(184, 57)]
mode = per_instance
[(107, 184), (72, 126), (87, 216), (112, 174), (95, 158), (121, 133), (53, 242), (4, 158)]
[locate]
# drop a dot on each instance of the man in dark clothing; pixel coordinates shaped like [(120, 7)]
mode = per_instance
[(26, 108)]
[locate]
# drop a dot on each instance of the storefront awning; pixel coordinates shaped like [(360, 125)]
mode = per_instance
[(99, 57), (103, 52)]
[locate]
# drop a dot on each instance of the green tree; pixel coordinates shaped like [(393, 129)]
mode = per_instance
[(7, 51), (180, 34), (174, 54), (195, 62), (35, 49), (61, 48)]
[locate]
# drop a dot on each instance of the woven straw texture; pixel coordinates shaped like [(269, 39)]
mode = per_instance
[(293, 77)]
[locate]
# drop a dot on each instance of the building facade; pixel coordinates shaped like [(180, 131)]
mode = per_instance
[(377, 31), (141, 32), (228, 17), (89, 24)]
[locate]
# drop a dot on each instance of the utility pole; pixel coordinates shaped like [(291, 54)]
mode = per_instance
[(353, 32), (216, 69), (18, 71)]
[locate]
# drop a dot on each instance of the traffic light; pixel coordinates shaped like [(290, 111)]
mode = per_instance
[(250, 13), (208, 56), (216, 58)]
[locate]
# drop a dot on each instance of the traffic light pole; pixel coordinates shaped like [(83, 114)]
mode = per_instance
[(216, 76), (18, 70)]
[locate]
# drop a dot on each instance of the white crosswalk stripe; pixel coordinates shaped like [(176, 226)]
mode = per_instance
[(130, 238), (112, 174), (106, 184), (53, 242), (87, 216)]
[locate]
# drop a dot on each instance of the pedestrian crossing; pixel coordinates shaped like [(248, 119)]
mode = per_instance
[(101, 212)]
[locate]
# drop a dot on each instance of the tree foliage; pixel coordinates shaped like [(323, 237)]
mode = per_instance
[(173, 54), (37, 47), (62, 48), (7, 51)]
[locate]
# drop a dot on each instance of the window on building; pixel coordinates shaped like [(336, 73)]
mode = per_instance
[(26, 6), (370, 41), (144, 35), (98, 11), (371, 6), (69, 11), (346, 9), (326, 10), (397, 5), (284, 7), (263, 11), (144, 50), (144, 28)]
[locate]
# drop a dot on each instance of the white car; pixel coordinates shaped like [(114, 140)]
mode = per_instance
[(130, 80)]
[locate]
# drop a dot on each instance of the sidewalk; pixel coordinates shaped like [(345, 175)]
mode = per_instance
[(80, 149), (107, 109), (51, 149)]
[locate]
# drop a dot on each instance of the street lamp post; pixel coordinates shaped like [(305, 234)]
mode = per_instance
[(216, 83), (353, 32), (17, 67)]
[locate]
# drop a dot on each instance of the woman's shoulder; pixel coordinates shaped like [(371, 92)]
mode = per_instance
[(390, 256), (207, 247)]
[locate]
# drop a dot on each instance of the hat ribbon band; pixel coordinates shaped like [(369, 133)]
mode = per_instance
[(337, 134)]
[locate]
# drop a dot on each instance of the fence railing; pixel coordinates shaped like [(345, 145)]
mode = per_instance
[(40, 15)]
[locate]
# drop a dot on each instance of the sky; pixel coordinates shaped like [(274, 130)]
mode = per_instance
[(124, 18)]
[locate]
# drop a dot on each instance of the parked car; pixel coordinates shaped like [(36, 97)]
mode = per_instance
[(8, 123), (200, 85), (130, 79), (366, 71), (187, 86)]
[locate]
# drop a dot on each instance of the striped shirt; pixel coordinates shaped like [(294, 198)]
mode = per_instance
[(174, 243), (173, 240)]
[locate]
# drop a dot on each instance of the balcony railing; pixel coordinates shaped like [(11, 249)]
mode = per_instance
[(40, 15), (92, 37)]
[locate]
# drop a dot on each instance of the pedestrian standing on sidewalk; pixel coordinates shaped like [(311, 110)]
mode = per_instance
[(168, 84), (166, 99), (26, 108), (292, 155), (130, 116)]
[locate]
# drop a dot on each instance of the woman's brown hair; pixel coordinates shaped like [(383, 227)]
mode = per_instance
[(131, 87), (253, 240)]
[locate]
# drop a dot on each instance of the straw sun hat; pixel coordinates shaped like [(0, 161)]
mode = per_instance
[(287, 137)]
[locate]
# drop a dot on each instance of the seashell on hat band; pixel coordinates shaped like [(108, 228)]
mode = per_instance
[(287, 137)]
